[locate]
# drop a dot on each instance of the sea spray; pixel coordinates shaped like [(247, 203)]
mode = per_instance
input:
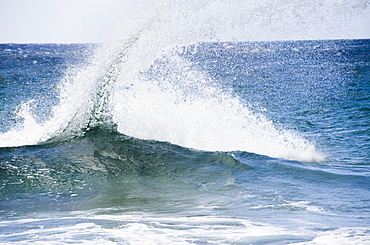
[(171, 99), (183, 105), (175, 102)]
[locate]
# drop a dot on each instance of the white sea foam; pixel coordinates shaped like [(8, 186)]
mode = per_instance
[(342, 236), (143, 229), (148, 229)]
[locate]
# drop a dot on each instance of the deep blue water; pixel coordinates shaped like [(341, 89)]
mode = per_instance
[(117, 182)]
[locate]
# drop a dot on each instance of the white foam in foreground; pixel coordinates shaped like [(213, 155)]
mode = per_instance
[(143, 229)]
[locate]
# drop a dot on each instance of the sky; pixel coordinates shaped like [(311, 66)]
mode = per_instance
[(83, 21), (60, 21)]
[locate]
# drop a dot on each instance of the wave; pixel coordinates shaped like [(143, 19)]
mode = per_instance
[(141, 86)]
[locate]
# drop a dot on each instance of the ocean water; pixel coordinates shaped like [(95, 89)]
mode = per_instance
[(154, 139)]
